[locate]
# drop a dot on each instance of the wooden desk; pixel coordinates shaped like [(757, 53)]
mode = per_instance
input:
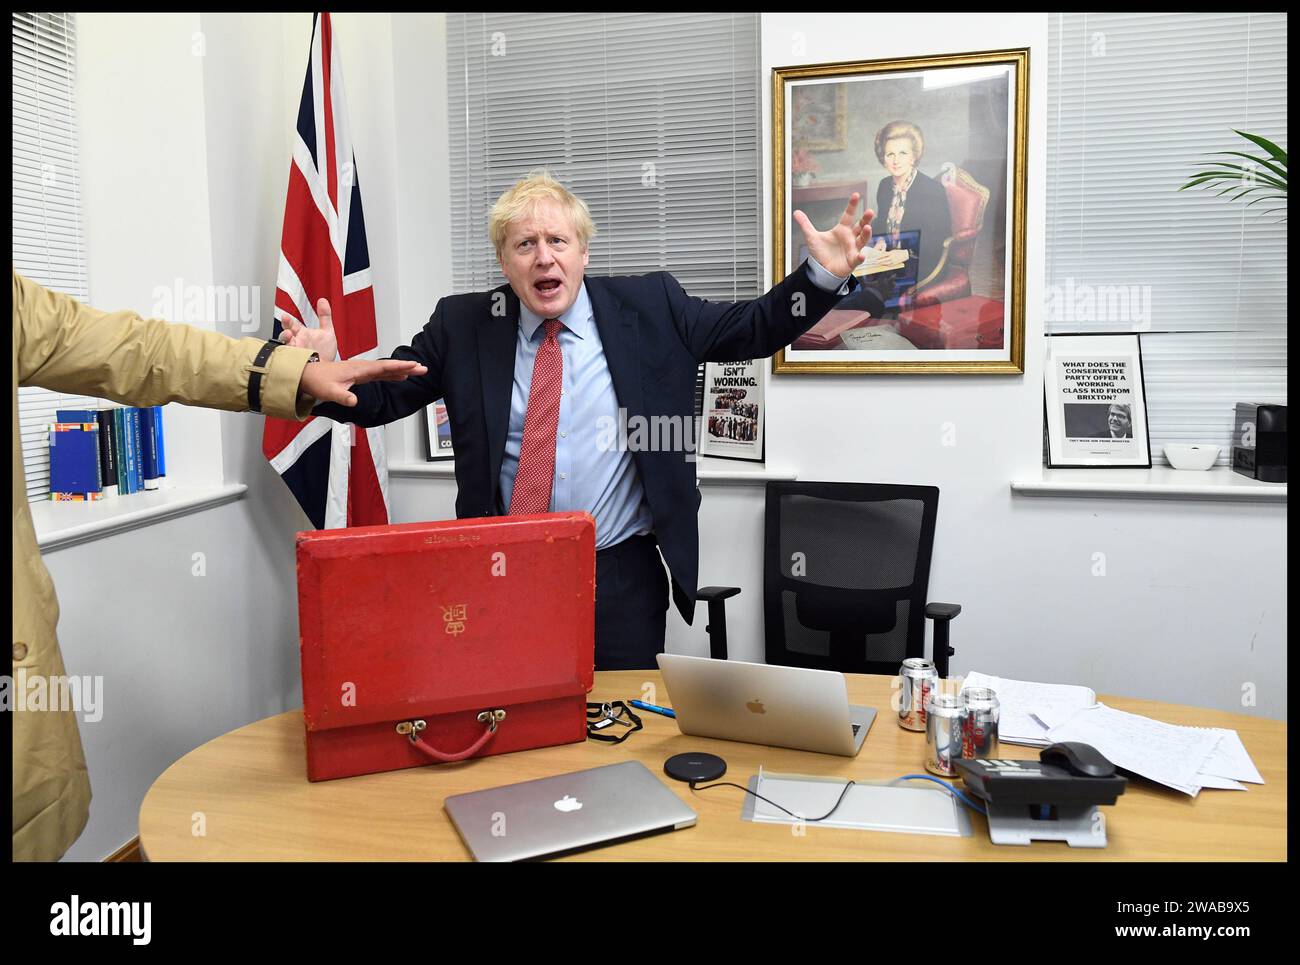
[(251, 789)]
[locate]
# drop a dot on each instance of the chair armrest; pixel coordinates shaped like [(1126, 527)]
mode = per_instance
[(716, 597), (710, 593), (942, 611), (942, 614), (937, 270)]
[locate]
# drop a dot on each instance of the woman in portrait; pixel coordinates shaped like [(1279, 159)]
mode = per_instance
[(908, 200)]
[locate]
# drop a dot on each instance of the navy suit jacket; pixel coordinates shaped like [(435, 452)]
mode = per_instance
[(654, 335)]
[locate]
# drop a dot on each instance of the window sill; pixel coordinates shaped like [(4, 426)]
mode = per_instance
[(709, 471), (1161, 482), (732, 472), (60, 525), (444, 468)]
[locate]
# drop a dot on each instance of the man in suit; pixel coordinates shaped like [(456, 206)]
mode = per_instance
[(63, 345), (1119, 421), (546, 376)]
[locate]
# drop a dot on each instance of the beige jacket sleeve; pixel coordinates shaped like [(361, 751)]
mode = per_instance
[(70, 347)]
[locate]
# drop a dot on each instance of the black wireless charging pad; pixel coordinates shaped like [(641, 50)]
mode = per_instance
[(695, 768)]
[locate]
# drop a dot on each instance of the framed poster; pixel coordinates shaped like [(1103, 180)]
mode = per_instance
[(1096, 402), (437, 432), (732, 426), (937, 147)]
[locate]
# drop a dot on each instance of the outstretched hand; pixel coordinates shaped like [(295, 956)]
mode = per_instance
[(840, 250), (321, 340), (330, 381)]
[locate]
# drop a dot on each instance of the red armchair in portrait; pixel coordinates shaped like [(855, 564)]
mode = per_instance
[(940, 312)]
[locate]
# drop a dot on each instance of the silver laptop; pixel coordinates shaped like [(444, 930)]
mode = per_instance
[(568, 812), (761, 703)]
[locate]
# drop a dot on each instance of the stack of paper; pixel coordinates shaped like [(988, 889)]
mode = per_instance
[(1027, 707), (1227, 764), (1184, 758)]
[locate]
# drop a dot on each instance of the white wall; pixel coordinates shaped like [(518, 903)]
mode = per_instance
[(144, 186)]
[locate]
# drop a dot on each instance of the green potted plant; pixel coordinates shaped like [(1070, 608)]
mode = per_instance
[(1264, 177)]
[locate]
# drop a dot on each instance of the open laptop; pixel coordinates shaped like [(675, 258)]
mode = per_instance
[(760, 703), (568, 812)]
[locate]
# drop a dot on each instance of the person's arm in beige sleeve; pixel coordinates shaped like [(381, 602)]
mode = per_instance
[(70, 347)]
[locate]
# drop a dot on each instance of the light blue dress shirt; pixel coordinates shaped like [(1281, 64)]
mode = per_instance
[(590, 474)]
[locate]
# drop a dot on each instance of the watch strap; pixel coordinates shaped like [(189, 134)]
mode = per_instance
[(256, 372)]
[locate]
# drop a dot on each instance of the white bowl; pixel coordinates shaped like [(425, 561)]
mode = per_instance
[(1191, 457)]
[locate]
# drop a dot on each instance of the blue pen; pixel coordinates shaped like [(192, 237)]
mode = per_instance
[(667, 712)]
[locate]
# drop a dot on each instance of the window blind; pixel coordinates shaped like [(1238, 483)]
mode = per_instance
[(1136, 104), (652, 119), (47, 201)]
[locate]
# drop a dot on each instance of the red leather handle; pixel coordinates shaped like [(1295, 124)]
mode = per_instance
[(489, 731)]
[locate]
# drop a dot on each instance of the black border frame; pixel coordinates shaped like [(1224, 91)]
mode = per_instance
[(1146, 420)]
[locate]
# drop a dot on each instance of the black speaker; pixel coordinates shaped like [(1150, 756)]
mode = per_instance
[(1259, 441)]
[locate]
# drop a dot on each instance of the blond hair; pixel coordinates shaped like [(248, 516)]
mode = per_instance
[(522, 199), (898, 130)]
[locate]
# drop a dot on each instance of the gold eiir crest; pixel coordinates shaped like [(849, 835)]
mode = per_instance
[(454, 616)]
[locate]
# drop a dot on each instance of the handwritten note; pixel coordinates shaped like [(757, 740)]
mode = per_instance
[(1165, 753)]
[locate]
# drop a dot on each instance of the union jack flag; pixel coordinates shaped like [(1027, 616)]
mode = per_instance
[(336, 471)]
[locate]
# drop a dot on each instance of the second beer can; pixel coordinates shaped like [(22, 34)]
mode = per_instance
[(916, 681), (980, 723), (944, 714)]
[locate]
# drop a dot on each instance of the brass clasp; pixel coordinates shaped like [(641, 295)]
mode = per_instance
[(411, 728)]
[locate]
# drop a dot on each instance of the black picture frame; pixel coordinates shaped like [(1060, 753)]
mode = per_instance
[(1054, 427), (433, 451)]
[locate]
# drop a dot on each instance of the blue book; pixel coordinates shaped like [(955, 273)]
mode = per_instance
[(149, 449), (119, 442), (129, 451), (76, 415), (158, 440), (74, 461), (137, 464), (107, 442)]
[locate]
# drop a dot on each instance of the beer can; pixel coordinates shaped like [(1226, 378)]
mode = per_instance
[(980, 723), (917, 680), (944, 714)]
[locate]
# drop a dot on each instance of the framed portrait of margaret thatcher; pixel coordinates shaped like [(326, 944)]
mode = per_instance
[(936, 147)]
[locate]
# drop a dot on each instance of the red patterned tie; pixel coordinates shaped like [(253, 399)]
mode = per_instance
[(536, 472)]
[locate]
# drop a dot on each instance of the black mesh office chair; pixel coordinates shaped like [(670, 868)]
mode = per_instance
[(846, 569)]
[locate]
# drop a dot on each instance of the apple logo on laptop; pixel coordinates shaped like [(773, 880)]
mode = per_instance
[(568, 803), (755, 706)]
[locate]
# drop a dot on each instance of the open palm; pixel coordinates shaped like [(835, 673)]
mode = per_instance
[(841, 248), (321, 340)]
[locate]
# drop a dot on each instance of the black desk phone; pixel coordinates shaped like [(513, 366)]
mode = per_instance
[(1053, 798), (1065, 773)]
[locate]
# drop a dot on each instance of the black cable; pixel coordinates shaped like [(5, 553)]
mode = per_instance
[(797, 817)]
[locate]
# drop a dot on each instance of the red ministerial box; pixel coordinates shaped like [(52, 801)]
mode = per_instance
[(427, 642)]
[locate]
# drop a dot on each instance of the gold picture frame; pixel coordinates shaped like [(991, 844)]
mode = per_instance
[(954, 289)]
